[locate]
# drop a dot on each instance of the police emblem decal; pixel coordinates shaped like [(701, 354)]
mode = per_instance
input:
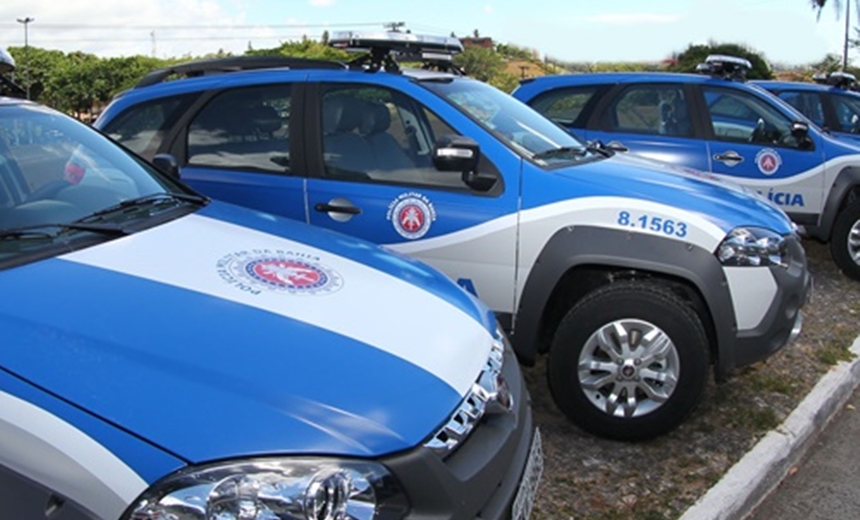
[(411, 214), (279, 271), (768, 161)]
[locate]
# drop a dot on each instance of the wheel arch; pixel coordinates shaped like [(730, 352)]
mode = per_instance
[(577, 260), (845, 190)]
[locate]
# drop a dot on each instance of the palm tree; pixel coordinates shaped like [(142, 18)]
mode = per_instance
[(818, 5)]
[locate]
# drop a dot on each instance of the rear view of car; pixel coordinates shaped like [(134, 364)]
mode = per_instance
[(169, 356)]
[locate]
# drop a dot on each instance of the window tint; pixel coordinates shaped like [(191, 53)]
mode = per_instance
[(742, 117), (564, 105), (808, 103), (141, 128), (847, 109), (376, 135), (244, 129), (651, 109)]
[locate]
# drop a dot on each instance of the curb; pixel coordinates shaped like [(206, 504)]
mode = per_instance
[(758, 473)]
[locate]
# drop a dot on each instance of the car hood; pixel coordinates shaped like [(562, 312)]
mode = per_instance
[(721, 203), (211, 339)]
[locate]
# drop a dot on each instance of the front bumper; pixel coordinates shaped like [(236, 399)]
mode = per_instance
[(481, 479), (782, 321)]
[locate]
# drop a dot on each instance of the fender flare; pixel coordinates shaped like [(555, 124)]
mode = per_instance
[(847, 179), (573, 247)]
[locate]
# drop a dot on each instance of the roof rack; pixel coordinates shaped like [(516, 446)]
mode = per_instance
[(838, 79), (725, 66), (385, 50), (234, 64)]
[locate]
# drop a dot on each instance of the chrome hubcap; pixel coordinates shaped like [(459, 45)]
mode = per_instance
[(628, 368), (854, 242)]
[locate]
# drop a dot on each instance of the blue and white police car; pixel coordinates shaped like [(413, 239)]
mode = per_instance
[(830, 102), (633, 278), (717, 123), (165, 356)]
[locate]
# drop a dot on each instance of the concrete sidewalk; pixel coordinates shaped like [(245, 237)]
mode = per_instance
[(753, 477)]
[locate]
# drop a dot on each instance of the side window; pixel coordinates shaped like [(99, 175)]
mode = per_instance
[(376, 135), (564, 105), (807, 103), (650, 109), (739, 116), (243, 129), (141, 128), (847, 112)]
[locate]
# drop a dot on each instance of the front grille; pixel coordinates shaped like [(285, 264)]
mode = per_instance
[(489, 395)]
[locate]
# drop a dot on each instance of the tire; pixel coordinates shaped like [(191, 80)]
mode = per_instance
[(845, 240), (584, 374)]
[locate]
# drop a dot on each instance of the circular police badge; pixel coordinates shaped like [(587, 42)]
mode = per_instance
[(768, 161), (280, 271), (411, 214)]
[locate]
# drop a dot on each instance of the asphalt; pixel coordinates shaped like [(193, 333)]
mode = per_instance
[(750, 482)]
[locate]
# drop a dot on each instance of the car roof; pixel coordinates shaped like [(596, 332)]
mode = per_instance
[(594, 78), (801, 85)]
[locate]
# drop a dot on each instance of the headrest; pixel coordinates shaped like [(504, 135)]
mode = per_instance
[(340, 114), (375, 119)]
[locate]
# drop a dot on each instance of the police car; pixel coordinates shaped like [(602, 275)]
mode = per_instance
[(714, 122), (633, 278), (165, 356), (830, 102)]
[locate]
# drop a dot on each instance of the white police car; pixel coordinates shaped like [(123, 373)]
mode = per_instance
[(633, 277), (168, 357)]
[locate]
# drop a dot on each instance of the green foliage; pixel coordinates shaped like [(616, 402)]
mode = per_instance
[(305, 48), (479, 63), (695, 54)]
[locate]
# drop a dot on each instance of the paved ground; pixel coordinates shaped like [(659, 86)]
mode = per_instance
[(825, 484), (814, 450)]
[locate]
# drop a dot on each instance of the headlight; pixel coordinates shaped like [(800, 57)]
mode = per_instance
[(754, 247), (275, 489)]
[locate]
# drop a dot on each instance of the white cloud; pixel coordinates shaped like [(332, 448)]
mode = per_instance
[(488, 9)]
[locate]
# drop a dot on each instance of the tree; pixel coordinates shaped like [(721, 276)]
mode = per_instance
[(818, 6), (695, 54)]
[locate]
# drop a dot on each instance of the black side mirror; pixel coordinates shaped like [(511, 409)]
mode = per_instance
[(800, 131), (456, 153), (166, 163)]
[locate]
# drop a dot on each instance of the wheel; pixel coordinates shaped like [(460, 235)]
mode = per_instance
[(845, 240), (629, 361)]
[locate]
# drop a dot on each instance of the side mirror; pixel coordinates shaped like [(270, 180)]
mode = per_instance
[(166, 163), (800, 131), (456, 153)]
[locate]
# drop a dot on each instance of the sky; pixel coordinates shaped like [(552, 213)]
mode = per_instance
[(787, 32)]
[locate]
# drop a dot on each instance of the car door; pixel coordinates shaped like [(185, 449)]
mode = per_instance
[(238, 147), (751, 140), (654, 120), (375, 179)]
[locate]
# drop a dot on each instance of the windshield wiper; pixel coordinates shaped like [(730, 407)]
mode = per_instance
[(36, 230), (577, 151), (146, 200)]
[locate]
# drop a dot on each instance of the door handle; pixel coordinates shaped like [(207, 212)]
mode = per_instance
[(617, 146), (322, 207), (730, 158)]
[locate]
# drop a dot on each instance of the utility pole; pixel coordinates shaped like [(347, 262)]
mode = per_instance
[(26, 21), (845, 45)]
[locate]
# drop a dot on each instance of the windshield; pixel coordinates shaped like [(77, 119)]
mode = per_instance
[(55, 172), (513, 122)]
